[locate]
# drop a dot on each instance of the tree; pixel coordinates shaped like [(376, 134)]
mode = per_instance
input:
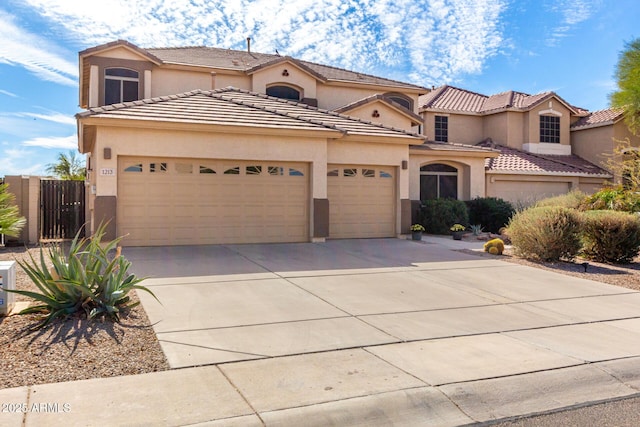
[(68, 167), (627, 75), (10, 220), (624, 164)]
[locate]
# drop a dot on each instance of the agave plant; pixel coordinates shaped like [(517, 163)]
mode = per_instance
[(85, 279)]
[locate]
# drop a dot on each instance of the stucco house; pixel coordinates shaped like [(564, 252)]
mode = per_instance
[(203, 145), (541, 150)]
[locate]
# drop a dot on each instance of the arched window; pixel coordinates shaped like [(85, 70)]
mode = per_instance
[(403, 100), (438, 181), (120, 85), (284, 92)]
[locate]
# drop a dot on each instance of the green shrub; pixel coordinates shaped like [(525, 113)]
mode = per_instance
[(438, 215), (572, 200), (547, 233), (611, 236), (86, 279), (615, 198), (491, 212)]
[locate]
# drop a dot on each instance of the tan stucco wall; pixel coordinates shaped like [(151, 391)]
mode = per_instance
[(122, 53), (331, 96), (171, 82), (297, 78), (591, 144), (495, 127), (524, 190), (462, 129), (237, 81), (387, 115), (471, 183)]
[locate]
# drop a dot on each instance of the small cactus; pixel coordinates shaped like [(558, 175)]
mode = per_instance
[(494, 247)]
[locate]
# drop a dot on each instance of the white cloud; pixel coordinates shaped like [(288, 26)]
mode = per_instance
[(571, 13), (66, 142), (6, 92), (35, 53), (12, 157), (428, 41), (54, 117)]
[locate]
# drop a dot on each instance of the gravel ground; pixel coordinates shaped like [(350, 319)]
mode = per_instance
[(74, 349), (79, 349)]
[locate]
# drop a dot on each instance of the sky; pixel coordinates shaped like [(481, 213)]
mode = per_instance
[(570, 47)]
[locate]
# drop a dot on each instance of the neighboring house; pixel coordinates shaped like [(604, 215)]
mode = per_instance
[(533, 133), (204, 145)]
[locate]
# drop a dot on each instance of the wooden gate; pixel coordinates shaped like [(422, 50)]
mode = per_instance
[(62, 211)]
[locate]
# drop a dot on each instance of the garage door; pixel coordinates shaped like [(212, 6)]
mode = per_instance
[(191, 201), (361, 201)]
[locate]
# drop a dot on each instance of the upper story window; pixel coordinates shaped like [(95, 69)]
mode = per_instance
[(550, 129), (404, 101), (120, 85), (284, 92), (441, 128)]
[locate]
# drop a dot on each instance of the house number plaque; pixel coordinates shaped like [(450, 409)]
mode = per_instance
[(107, 172)]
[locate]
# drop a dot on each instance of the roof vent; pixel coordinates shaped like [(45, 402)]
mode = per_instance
[(249, 44)]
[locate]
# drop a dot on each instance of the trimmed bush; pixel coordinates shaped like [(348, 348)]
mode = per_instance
[(573, 200), (438, 215), (616, 199), (490, 212), (547, 233), (494, 246), (611, 236)]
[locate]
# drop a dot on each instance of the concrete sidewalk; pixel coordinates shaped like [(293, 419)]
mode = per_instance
[(357, 332)]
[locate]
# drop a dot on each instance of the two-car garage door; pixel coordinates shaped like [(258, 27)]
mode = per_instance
[(191, 201)]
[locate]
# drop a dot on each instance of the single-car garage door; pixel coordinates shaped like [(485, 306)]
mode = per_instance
[(192, 201), (361, 201)]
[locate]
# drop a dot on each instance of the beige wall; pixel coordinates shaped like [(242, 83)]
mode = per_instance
[(171, 82), (273, 76), (27, 197), (554, 108), (387, 116), (463, 129), (238, 81), (495, 126), (524, 190), (590, 144)]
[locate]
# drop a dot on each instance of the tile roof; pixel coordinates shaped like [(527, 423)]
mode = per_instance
[(599, 118), (450, 98), (250, 61), (512, 160), (235, 107)]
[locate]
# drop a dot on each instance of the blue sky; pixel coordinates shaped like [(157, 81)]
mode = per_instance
[(487, 46)]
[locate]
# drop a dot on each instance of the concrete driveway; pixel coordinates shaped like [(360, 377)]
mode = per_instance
[(380, 332)]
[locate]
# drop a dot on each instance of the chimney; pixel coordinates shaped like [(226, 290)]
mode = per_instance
[(249, 44)]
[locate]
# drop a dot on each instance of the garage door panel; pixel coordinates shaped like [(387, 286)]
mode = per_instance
[(180, 205), (362, 201)]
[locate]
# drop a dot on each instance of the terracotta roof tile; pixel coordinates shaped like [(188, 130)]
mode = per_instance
[(250, 61), (235, 107), (517, 161), (599, 118), (449, 98)]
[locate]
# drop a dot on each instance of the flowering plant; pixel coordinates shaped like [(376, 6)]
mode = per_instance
[(417, 227), (457, 227)]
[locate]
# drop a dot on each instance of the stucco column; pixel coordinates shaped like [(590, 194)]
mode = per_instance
[(94, 86)]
